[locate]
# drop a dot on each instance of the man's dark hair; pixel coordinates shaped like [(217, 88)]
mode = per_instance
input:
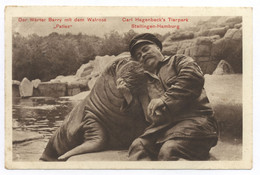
[(143, 38)]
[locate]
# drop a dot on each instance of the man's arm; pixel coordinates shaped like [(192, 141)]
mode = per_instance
[(186, 87)]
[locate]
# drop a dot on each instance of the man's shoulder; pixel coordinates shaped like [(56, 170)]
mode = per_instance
[(176, 58)]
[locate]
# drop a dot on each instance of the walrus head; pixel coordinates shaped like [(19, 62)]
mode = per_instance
[(130, 79)]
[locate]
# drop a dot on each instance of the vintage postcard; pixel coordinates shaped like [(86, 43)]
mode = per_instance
[(128, 87)]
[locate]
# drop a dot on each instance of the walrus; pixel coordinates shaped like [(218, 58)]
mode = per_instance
[(110, 117)]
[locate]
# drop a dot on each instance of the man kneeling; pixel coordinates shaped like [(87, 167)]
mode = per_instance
[(184, 127)]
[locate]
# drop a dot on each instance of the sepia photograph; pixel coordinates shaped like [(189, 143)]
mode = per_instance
[(92, 90)]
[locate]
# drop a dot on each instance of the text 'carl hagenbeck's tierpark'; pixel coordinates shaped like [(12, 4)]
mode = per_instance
[(159, 22)]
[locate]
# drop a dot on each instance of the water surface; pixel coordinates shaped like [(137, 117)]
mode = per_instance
[(34, 121)]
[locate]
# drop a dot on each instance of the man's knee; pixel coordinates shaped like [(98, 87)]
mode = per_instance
[(141, 150), (169, 150), (186, 149), (142, 145)]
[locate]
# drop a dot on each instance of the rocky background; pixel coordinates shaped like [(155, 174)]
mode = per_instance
[(216, 45), (217, 39)]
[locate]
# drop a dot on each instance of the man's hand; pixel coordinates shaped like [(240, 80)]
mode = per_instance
[(154, 105)]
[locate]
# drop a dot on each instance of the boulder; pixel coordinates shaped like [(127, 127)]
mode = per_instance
[(207, 67), (236, 19), (214, 37), (206, 40), (174, 47), (73, 88), (203, 32), (85, 69), (234, 34), (26, 88), (238, 26), (78, 86), (187, 51), (82, 83), (36, 83), (65, 79), (203, 41), (171, 49), (218, 47), (229, 21), (74, 84), (223, 67), (229, 48), (59, 77), (200, 50), (73, 91), (55, 81), (209, 50), (16, 82), (182, 35), (49, 89), (168, 42), (214, 31), (86, 72), (101, 62), (203, 59), (181, 51), (183, 45), (218, 31)]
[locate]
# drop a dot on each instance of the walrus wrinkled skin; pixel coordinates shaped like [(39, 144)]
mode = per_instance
[(106, 119)]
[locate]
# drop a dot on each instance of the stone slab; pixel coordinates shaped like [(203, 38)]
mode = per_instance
[(49, 89), (222, 151)]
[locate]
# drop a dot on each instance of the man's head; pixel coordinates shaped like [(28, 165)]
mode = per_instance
[(146, 49)]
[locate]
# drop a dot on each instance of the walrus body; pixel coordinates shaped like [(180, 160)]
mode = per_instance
[(103, 116)]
